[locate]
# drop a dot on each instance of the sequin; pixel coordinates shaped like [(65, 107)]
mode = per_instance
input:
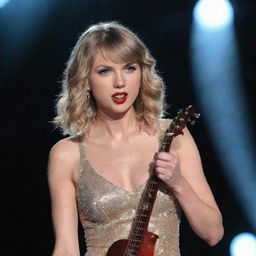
[(106, 211)]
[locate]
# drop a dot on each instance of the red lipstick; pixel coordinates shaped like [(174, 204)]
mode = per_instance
[(119, 97)]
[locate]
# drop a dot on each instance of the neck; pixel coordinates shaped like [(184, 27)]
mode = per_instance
[(116, 128)]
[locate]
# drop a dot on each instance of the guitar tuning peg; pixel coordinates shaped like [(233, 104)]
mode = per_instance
[(192, 122), (188, 107), (197, 115), (177, 127), (179, 111)]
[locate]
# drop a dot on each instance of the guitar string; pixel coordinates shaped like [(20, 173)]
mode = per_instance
[(137, 225), (133, 244), (130, 245), (166, 142)]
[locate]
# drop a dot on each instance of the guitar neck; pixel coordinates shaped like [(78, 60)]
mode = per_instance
[(141, 220)]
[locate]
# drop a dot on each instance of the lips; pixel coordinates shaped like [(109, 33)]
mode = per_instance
[(119, 97)]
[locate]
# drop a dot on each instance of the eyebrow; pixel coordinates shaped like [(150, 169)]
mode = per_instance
[(106, 66), (101, 65)]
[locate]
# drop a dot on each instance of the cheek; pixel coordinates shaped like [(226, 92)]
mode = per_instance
[(99, 88), (136, 82)]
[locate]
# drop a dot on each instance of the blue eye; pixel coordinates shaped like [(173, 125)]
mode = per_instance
[(130, 68), (103, 71)]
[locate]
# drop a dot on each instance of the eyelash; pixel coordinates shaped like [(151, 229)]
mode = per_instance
[(132, 67), (105, 70)]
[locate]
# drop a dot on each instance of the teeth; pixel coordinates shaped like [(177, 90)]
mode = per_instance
[(120, 96)]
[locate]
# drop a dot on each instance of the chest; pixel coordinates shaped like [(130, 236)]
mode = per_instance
[(126, 164)]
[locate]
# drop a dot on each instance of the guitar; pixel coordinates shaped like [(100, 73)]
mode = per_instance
[(141, 242)]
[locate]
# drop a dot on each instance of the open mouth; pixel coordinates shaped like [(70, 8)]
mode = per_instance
[(119, 97)]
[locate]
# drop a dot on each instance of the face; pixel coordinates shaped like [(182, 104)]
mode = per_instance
[(115, 86)]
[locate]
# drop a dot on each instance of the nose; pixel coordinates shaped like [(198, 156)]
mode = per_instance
[(119, 79)]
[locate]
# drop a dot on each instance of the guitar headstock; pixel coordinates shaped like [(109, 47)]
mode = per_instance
[(182, 118)]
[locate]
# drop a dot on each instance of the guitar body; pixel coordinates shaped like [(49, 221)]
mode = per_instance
[(117, 248), (146, 249)]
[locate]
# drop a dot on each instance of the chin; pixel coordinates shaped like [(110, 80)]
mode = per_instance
[(119, 111)]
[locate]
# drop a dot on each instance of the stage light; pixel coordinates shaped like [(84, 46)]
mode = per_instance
[(21, 24), (213, 13), (243, 244), (3, 3), (219, 87)]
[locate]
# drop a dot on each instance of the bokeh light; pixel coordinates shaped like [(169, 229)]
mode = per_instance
[(213, 13), (243, 245)]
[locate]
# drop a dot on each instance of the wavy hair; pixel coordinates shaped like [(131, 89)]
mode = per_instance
[(75, 113)]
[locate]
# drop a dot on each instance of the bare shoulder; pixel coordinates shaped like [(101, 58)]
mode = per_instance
[(64, 156), (184, 142), (65, 147), (181, 142)]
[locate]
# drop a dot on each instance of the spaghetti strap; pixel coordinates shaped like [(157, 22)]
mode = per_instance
[(82, 156)]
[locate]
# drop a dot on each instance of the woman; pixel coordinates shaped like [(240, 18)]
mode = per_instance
[(111, 104)]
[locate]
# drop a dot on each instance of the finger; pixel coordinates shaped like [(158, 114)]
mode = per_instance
[(165, 164), (165, 156), (163, 176), (160, 170)]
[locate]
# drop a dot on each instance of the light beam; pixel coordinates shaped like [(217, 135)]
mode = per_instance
[(218, 85), (3, 3)]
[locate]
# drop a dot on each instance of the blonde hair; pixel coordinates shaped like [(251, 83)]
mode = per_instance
[(75, 114)]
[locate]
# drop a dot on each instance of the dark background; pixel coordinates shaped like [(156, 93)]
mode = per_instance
[(36, 40)]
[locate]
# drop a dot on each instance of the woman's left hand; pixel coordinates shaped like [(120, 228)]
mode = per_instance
[(167, 168)]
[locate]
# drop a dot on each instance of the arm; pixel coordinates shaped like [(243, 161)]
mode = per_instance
[(182, 171), (62, 164)]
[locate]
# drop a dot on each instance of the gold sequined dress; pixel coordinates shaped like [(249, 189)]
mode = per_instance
[(106, 211)]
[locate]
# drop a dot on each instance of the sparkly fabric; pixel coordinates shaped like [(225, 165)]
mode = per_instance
[(106, 211)]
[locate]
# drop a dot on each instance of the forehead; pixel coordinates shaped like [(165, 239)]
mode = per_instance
[(113, 56), (102, 57)]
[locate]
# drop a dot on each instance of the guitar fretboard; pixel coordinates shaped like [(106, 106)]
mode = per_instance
[(141, 220), (146, 204)]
